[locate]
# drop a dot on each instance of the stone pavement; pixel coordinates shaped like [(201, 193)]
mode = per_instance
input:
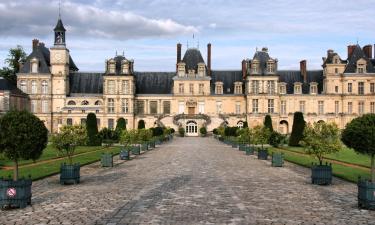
[(192, 181)]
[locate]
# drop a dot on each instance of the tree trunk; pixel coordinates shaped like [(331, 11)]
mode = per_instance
[(15, 173), (373, 168)]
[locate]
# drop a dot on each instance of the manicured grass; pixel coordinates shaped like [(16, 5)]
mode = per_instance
[(344, 172), (345, 155), (50, 168), (51, 153)]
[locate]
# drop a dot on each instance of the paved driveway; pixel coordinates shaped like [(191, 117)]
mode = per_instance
[(192, 181)]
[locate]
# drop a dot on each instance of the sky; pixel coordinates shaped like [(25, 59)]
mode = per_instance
[(148, 30)]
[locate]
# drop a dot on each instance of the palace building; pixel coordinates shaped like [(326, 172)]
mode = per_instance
[(196, 95)]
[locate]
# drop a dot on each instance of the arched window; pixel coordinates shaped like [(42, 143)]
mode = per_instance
[(34, 65), (240, 124), (84, 102), (98, 102), (23, 86), (33, 87), (71, 102), (44, 87)]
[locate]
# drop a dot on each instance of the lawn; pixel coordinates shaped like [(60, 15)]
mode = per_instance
[(49, 168), (344, 172)]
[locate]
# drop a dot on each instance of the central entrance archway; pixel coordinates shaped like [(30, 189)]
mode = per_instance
[(191, 128)]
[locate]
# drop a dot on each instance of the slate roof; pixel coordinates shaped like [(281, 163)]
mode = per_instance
[(228, 77), (329, 59), (192, 57), (262, 57), (5, 85), (86, 83), (154, 82), (357, 54), (59, 26), (292, 76)]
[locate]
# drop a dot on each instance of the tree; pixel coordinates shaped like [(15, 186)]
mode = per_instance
[(276, 139), (93, 138), (359, 134), (68, 139), (108, 136), (245, 135), (22, 136), (268, 122), (297, 129), (16, 57), (320, 139), (261, 135), (121, 125), (141, 124)]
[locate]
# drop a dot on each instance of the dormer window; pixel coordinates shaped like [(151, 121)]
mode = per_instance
[(201, 70), (191, 73), (313, 88), (125, 66), (297, 88), (219, 88), (181, 69), (282, 88), (270, 66), (111, 66), (361, 66), (336, 59), (34, 65), (255, 67), (237, 88)]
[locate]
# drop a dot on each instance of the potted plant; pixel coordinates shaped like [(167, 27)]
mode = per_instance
[(203, 131), (126, 141), (277, 159), (243, 138), (144, 137), (22, 136), (320, 139), (134, 142), (109, 137), (359, 134), (261, 136), (66, 142)]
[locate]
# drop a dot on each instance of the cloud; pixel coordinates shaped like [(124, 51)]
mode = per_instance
[(84, 20)]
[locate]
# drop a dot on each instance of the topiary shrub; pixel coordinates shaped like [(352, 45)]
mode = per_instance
[(297, 129), (141, 124), (172, 131), (245, 124), (108, 136), (157, 131), (214, 131), (22, 136), (231, 131), (93, 139), (276, 139), (268, 122), (120, 125), (203, 131), (181, 131)]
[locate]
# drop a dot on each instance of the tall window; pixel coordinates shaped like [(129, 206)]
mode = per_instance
[(337, 89), (34, 65), (166, 107), (238, 107), (372, 107), (297, 89), (23, 86), (313, 89), (181, 88), (69, 121), (255, 86), (271, 106), (140, 107), (153, 107), (302, 106), (372, 88), (125, 87), (350, 107), (111, 105), (350, 87), (361, 88), (181, 107), (270, 87), (255, 106), (270, 67), (200, 107), (33, 87), (219, 108), (361, 68), (45, 106), (34, 106), (320, 107), (238, 88), (44, 87), (361, 107), (283, 107), (337, 107), (191, 89), (219, 88), (111, 124), (201, 89), (124, 105), (111, 87)]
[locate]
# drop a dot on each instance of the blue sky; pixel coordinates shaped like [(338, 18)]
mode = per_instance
[(148, 30)]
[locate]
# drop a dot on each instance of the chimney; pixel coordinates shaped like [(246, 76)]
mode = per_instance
[(302, 67), (209, 59), (367, 49), (178, 53), (243, 69), (35, 43), (350, 50)]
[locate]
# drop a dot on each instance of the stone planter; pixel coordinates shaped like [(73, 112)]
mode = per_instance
[(70, 174), (158, 141), (234, 144), (15, 194), (277, 159), (136, 150), (107, 160), (125, 154), (262, 154), (241, 147), (249, 150), (144, 147), (321, 174), (366, 194), (152, 144)]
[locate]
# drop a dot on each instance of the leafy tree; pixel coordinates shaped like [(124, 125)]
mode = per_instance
[(68, 139), (120, 126), (297, 129), (276, 139), (141, 124), (261, 135), (268, 122), (22, 136), (16, 57), (108, 136), (359, 134), (245, 135), (144, 135), (93, 138), (129, 137), (320, 139)]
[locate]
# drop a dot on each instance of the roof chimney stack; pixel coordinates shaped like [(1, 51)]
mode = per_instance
[(35, 44), (367, 49), (244, 69), (178, 52), (209, 59), (350, 50), (302, 67)]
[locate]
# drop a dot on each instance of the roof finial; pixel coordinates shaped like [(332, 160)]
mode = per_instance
[(59, 9), (123, 53), (357, 40), (116, 52)]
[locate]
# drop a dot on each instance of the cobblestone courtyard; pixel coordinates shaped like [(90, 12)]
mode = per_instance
[(191, 181)]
